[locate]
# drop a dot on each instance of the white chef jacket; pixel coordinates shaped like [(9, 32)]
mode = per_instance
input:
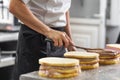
[(50, 12)]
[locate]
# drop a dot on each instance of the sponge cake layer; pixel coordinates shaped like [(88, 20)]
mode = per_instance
[(55, 61), (75, 54)]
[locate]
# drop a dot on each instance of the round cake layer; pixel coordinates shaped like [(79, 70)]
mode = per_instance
[(87, 66), (55, 61), (109, 61), (57, 75), (77, 54)]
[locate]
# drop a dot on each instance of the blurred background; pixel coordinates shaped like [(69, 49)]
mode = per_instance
[(94, 23)]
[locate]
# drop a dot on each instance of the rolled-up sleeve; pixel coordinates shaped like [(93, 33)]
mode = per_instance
[(25, 1)]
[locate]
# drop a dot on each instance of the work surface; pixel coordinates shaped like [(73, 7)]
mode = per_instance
[(8, 36), (110, 72)]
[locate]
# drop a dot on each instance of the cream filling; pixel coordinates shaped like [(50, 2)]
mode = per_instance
[(51, 71)]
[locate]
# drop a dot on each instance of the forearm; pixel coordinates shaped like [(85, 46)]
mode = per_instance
[(19, 9), (67, 27), (68, 32)]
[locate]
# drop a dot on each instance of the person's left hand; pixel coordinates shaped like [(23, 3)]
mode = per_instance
[(71, 47)]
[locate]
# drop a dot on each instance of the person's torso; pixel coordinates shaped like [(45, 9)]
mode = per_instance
[(50, 12)]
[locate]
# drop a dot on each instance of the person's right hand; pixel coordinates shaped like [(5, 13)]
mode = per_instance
[(59, 38)]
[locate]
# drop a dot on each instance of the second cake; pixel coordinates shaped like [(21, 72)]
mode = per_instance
[(87, 60)]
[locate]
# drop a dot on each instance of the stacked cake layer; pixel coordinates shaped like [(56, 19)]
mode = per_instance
[(87, 60), (107, 56), (53, 67)]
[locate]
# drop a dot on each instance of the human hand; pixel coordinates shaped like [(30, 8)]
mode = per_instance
[(59, 38), (71, 47)]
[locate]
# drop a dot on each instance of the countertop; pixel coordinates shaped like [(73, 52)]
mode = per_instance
[(7, 61), (8, 36), (108, 72)]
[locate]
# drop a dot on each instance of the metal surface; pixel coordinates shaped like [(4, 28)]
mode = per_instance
[(2, 9), (109, 72), (7, 61), (0, 54), (8, 36)]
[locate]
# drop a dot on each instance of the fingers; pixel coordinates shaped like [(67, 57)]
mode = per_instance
[(60, 39), (70, 41), (71, 48), (55, 42), (58, 42), (67, 41)]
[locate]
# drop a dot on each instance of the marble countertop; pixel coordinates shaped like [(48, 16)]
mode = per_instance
[(109, 72)]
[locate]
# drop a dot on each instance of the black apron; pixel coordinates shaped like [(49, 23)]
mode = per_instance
[(31, 47)]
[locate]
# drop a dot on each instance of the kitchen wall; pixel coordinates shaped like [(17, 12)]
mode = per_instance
[(5, 16), (84, 8), (112, 33), (88, 9), (113, 22)]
